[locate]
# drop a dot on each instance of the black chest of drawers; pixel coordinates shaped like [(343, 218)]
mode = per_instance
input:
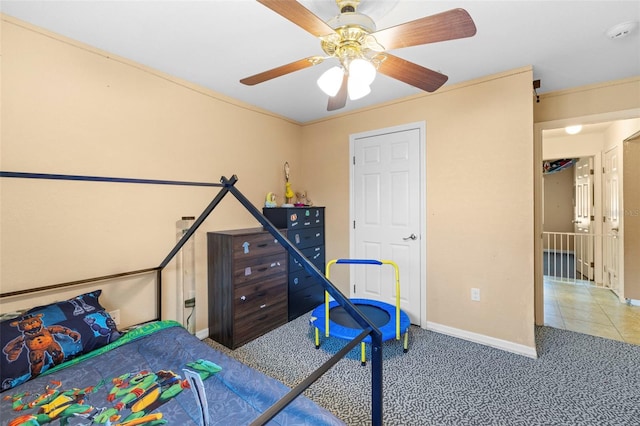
[(305, 228)]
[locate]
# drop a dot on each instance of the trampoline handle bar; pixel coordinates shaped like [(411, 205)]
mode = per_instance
[(359, 261), (364, 262)]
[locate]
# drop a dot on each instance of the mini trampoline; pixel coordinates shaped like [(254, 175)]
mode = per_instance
[(333, 320)]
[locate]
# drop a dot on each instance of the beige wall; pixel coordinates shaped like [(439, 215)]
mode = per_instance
[(572, 146), (479, 197), (70, 109), (596, 100), (631, 217)]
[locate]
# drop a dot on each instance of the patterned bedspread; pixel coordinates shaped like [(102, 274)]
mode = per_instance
[(142, 379)]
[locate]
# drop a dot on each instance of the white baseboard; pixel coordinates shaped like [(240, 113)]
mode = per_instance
[(504, 345), (202, 334), (634, 302)]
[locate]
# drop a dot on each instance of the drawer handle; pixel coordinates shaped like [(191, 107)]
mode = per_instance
[(263, 306), (262, 294), (262, 269), (263, 317), (262, 245)]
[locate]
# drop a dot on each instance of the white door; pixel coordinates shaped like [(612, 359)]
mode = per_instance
[(387, 211), (611, 194), (583, 219)]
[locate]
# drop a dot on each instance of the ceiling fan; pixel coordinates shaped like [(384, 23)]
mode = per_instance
[(361, 50)]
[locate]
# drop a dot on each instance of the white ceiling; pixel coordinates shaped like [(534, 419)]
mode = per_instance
[(215, 43)]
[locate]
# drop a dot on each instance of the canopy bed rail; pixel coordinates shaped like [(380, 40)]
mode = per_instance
[(226, 186), (77, 282)]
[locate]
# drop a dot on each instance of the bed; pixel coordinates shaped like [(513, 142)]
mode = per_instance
[(67, 363), (142, 378)]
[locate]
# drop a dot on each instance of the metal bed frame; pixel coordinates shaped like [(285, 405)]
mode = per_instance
[(226, 186)]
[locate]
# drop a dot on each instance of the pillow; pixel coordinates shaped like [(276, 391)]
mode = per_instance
[(49, 335)]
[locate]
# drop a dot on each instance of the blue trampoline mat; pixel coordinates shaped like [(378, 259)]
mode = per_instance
[(342, 326)]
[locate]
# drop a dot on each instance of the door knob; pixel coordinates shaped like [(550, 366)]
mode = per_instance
[(410, 237)]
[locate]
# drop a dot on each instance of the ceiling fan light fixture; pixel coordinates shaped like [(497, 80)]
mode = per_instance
[(357, 89), (362, 70), (331, 80)]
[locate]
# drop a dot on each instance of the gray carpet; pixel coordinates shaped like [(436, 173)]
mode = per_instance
[(442, 380)]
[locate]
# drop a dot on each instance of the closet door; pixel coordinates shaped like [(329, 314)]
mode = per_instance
[(583, 219), (610, 227)]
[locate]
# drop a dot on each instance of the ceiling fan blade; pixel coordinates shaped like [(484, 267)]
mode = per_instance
[(450, 25), (282, 70), (340, 99), (413, 74), (299, 15)]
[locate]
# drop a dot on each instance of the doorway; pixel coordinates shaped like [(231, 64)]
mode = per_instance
[(590, 302), (388, 215)]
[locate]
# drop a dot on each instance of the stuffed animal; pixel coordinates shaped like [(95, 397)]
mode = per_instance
[(270, 200), (39, 341), (302, 200)]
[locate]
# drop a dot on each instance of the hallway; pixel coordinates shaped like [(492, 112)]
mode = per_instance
[(590, 310)]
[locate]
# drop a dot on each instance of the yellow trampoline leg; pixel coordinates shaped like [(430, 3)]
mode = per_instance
[(363, 356), (317, 338), (406, 341)]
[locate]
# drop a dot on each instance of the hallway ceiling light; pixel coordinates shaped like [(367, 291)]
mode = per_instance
[(573, 130)]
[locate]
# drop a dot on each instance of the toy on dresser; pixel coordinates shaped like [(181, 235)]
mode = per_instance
[(302, 200)]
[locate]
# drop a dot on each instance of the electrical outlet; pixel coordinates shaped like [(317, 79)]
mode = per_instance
[(475, 294), (115, 314)]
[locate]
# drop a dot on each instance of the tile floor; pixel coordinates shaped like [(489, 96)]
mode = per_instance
[(590, 310)]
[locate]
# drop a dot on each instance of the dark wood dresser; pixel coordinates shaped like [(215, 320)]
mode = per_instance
[(305, 229), (247, 273)]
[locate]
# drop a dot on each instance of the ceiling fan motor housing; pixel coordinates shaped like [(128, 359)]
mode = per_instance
[(350, 38)]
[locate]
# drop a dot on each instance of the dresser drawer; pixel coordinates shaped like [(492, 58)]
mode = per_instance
[(260, 322), (300, 279), (306, 237), (255, 245), (315, 256), (305, 300), (259, 295), (257, 268), (295, 217)]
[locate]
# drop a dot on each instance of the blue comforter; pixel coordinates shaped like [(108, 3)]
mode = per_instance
[(140, 380)]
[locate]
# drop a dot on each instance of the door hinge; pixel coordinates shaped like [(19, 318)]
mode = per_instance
[(354, 288), (604, 219), (354, 160), (354, 224), (592, 265), (593, 218), (590, 171)]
